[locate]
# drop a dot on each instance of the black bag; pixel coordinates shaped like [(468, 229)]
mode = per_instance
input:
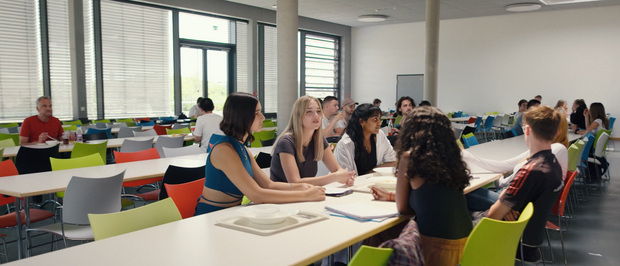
[(182, 116), (602, 168)]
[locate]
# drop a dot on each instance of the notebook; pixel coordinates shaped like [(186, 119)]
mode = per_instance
[(362, 211)]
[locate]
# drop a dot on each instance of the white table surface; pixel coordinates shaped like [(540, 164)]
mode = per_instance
[(112, 143)]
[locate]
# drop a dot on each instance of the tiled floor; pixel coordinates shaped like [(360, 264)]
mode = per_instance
[(589, 241)]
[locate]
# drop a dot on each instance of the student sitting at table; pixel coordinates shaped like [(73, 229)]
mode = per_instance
[(522, 108), (577, 118), (404, 105), (540, 178), (364, 146), (562, 107), (518, 126), (481, 199), (231, 170), (431, 177), (207, 123), (596, 119), (297, 151)]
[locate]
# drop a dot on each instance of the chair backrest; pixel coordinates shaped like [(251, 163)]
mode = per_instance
[(468, 130), (84, 149), (488, 123), (534, 232), (4, 130), (79, 162), (185, 196), (76, 122), (478, 121), (179, 175), (147, 133), (35, 159), (12, 130), (267, 143), (601, 144), (86, 196), (9, 125), (173, 152), (497, 121), (179, 126), (494, 242), (183, 130), (268, 123), (108, 131), (505, 120), (371, 256), (113, 224), (5, 143), (7, 168), (127, 132), (612, 120), (105, 121), (148, 123), (119, 125), (14, 137), (262, 135), (471, 120), (134, 145), (124, 157), (161, 130), (574, 154), (589, 141), (128, 121), (457, 132), (101, 125), (558, 206), (168, 142), (471, 141), (95, 136)]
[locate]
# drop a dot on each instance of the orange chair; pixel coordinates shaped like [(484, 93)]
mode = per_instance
[(150, 154), (7, 168), (161, 130), (185, 196), (558, 209)]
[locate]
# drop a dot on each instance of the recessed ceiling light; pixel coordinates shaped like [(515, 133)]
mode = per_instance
[(523, 7), (559, 2), (372, 18), (274, 6)]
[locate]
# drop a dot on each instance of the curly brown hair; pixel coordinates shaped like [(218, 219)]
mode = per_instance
[(426, 132)]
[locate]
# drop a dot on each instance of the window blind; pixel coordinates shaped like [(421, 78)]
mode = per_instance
[(59, 58), (89, 60), (321, 63), (242, 56), (20, 59), (137, 60), (270, 66)]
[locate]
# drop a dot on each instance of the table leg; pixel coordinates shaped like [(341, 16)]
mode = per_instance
[(27, 217), (18, 217)]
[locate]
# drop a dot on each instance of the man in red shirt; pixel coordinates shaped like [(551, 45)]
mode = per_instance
[(38, 128)]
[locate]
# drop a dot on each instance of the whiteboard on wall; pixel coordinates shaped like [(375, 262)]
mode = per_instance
[(411, 85)]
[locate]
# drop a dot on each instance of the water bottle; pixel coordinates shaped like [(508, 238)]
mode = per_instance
[(78, 134)]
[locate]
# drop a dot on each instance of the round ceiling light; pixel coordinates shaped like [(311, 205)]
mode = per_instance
[(523, 7), (372, 18)]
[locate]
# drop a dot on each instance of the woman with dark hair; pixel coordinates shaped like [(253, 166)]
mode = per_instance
[(297, 151), (431, 176), (596, 119), (576, 117), (231, 171), (364, 146)]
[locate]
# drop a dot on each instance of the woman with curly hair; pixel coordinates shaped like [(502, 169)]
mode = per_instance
[(431, 176), (364, 146)]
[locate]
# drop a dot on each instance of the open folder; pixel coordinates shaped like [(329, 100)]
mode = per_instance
[(362, 211)]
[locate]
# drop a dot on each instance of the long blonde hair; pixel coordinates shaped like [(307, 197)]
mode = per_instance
[(295, 129), (563, 128)]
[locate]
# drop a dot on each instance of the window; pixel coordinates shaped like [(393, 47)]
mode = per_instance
[(319, 61), (89, 60), (59, 58), (204, 28), (21, 81), (137, 60), (242, 56), (269, 68)]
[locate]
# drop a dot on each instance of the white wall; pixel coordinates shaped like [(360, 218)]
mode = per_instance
[(490, 63)]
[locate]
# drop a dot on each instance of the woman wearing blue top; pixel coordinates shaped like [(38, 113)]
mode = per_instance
[(231, 170)]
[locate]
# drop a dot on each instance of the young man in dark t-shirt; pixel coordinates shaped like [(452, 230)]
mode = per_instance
[(542, 172)]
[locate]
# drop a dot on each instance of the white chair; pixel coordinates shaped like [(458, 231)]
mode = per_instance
[(119, 125), (177, 126), (4, 130), (132, 145), (101, 125), (127, 132), (148, 133), (174, 152), (598, 153), (84, 196), (168, 142)]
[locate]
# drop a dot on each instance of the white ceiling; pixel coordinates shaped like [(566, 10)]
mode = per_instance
[(402, 11)]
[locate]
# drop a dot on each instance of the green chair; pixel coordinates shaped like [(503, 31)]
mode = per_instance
[(113, 224), (245, 201), (262, 136), (1, 154), (9, 125), (184, 130), (268, 123), (574, 154), (128, 121), (371, 256), (5, 143), (72, 128), (84, 149), (76, 122), (107, 121), (495, 243), (14, 137), (64, 164), (398, 119)]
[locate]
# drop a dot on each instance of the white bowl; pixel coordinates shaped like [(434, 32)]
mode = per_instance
[(52, 142), (385, 171), (283, 213), (386, 182), (266, 210)]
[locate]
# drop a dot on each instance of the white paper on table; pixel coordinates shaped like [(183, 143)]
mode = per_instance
[(362, 211)]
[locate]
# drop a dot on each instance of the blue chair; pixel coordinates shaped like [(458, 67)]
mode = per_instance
[(108, 131), (149, 123), (611, 127), (584, 173), (488, 127), (470, 141)]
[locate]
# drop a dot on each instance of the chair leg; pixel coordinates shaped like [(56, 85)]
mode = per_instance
[(6, 254)]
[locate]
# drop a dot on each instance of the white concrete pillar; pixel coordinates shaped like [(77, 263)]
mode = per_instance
[(287, 23), (432, 51)]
